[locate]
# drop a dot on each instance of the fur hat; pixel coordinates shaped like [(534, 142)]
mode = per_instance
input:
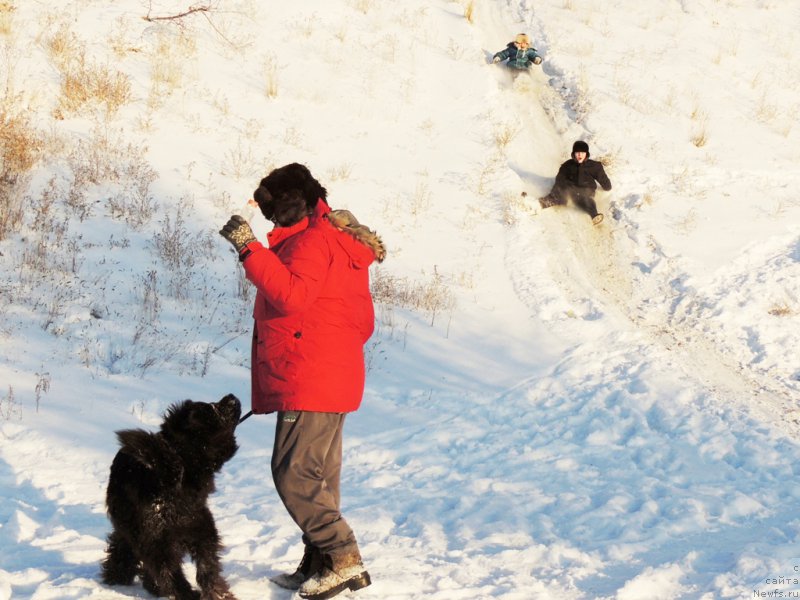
[(522, 38), (289, 208), (580, 146), (288, 194)]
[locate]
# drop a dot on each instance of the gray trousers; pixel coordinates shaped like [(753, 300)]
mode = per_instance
[(306, 465)]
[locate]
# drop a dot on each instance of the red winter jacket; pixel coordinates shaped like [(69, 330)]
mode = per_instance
[(313, 314)]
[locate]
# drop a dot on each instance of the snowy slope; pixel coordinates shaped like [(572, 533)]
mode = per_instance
[(560, 409)]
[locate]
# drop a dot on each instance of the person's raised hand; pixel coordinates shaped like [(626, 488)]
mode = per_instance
[(237, 231)]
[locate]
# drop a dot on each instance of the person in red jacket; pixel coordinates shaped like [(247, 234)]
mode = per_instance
[(313, 314)]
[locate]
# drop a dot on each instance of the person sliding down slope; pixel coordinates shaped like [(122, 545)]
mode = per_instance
[(577, 179), (519, 55)]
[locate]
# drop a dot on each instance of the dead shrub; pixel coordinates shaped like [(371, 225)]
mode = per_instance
[(433, 296), (6, 15), (21, 147), (85, 84)]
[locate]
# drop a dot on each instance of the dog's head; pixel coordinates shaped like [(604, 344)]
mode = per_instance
[(204, 431), (288, 194)]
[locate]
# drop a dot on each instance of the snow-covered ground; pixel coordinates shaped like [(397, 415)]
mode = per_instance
[(552, 409)]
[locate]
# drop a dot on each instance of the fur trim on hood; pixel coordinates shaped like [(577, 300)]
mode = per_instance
[(343, 220)]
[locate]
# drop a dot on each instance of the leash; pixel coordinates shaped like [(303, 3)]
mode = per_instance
[(247, 416)]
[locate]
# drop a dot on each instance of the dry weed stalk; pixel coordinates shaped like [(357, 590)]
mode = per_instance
[(192, 10), (21, 146), (511, 204), (168, 60), (766, 111), (6, 17), (341, 172), (271, 76), (64, 48), (421, 200), (432, 296), (84, 84), (781, 310), (240, 163), (469, 11), (487, 174), (182, 251), (700, 135), (505, 133), (611, 160), (362, 6), (9, 407)]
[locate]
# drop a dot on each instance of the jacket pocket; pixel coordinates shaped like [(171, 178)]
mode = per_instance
[(278, 356)]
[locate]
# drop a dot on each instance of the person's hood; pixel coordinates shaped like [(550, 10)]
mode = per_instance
[(361, 243)]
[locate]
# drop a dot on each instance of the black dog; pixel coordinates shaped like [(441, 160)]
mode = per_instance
[(157, 501)]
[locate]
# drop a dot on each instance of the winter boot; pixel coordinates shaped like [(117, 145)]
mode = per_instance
[(341, 572), (597, 219), (547, 201), (309, 566)]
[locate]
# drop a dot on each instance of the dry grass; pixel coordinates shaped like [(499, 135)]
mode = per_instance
[(172, 52), (84, 83), (240, 163), (512, 204), (6, 17), (340, 172), (118, 39), (21, 147), (486, 175), (106, 158), (271, 76), (93, 84), (469, 11), (766, 111), (611, 161), (781, 310), (182, 251), (432, 296), (64, 48), (9, 407), (699, 135), (422, 199), (505, 133), (362, 6)]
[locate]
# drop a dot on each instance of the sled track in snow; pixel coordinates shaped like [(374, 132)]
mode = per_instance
[(599, 265), (604, 258)]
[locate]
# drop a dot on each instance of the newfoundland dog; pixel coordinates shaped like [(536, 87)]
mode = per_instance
[(157, 501)]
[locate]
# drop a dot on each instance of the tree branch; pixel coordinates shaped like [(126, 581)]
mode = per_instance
[(189, 11)]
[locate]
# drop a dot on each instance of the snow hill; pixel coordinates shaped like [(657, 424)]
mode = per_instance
[(552, 409)]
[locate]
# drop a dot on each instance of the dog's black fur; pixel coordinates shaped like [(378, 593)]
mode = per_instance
[(157, 501)]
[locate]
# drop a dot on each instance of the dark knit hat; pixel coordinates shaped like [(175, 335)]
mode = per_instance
[(580, 146)]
